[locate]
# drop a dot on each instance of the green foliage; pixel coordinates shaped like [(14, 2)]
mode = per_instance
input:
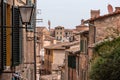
[(107, 65), (104, 49)]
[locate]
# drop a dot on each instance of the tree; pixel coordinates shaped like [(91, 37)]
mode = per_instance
[(107, 65)]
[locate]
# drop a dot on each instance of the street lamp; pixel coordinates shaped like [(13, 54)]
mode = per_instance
[(26, 14)]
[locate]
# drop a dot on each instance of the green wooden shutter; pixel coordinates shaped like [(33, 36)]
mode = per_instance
[(81, 45), (16, 56), (0, 43), (72, 61), (85, 46), (3, 31)]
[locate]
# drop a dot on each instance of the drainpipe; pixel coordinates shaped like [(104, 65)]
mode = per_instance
[(35, 40)]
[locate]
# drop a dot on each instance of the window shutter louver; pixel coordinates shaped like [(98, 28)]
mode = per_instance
[(3, 31), (0, 42), (16, 56), (4, 46)]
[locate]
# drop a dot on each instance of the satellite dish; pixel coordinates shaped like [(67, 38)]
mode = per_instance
[(110, 8)]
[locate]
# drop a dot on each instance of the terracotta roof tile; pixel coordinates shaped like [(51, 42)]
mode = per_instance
[(62, 45), (40, 28), (100, 17), (55, 46), (74, 50), (71, 44), (49, 38)]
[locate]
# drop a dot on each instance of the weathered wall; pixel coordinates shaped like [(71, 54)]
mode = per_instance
[(103, 26)]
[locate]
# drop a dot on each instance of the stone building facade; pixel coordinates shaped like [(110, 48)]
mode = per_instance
[(59, 33), (55, 55), (101, 28), (16, 53)]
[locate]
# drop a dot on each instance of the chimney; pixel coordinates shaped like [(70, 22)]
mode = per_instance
[(82, 22), (110, 8), (117, 9), (95, 13)]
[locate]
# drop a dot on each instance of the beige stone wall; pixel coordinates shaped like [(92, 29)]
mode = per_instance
[(58, 56), (55, 59), (28, 56), (30, 48), (46, 43)]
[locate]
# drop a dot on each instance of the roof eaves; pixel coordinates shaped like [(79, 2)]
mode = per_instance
[(100, 17)]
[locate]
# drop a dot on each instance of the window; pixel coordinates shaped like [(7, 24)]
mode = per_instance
[(57, 37), (16, 42), (83, 46), (0, 44), (3, 37), (72, 61), (66, 34), (60, 32), (60, 37), (38, 38)]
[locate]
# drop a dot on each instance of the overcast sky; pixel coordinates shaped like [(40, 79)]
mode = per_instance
[(68, 13)]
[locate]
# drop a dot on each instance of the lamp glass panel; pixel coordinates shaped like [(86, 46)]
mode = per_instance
[(26, 13)]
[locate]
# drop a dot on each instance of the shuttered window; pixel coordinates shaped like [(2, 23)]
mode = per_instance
[(72, 61), (16, 44), (8, 35), (0, 44), (3, 35), (81, 45)]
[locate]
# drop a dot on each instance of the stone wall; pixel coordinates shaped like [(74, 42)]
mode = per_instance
[(104, 25)]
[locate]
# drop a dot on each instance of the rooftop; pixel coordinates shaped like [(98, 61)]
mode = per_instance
[(103, 16), (62, 45), (74, 50)]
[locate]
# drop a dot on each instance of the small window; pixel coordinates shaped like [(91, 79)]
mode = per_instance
[(57, 37), (60, 32), (60, 37), (38, 38), (83, 46)]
